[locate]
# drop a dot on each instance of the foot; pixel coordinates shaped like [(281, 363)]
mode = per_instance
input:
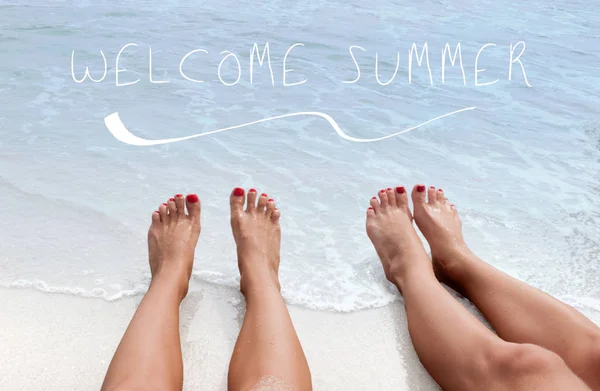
[(439, 222), (172, 239), (390, 228), (258, 236)]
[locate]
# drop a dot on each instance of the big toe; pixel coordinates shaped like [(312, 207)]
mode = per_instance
[(236, 200), (401, 197), (418, 195), (192, 203)]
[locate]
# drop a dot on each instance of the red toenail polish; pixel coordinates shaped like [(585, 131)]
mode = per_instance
[(192, 198), (178, 195), (164, 203), (171, 199), (382, 191), (374, 198), (440, 190), (238, 191), (370, 208), (264, 195), (389, 188), (271, 200), (400, 189), (252, 190), (432, 187), (420, 188)]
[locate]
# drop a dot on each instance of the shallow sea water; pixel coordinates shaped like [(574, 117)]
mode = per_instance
[(523, 167)]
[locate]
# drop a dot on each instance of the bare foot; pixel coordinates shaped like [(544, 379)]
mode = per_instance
[(172, 239), (258, 236), (390, 228), (439, 222)]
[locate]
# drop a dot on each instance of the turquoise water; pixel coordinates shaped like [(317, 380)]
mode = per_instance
[(523, 166)]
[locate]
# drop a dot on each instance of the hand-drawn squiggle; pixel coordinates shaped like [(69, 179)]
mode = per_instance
[(120, 132)]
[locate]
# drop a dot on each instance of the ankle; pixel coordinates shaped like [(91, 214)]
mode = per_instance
[(171, 282), (456, 267), (256, 279), (412, 275), (258, 293), (418, 267)]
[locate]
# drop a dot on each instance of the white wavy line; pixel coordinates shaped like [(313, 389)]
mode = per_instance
[(120, 132)]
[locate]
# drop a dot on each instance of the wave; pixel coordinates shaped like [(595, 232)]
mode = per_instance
[(586, 305)]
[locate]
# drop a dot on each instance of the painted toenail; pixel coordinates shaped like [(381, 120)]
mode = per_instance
[(164, 203), (252, 190), (382, 191), (370, 208), (389, 188), (270, 200), (192, 198), (432, 187), (374, 198), (264, 195), (400, 189), (440, 190), (178, 195), (171, 199), (238, 191), (420, 188)]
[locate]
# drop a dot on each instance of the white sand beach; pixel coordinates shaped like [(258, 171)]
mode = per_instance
[(60, 342)]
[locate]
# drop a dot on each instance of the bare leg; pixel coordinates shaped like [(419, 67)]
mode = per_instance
[(459, 352), (517, 311), (268, 354), (149, 355)]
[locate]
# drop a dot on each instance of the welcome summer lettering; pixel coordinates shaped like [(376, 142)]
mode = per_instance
[(259, 57)]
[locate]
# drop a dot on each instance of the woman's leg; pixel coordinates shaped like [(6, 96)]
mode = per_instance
[(517, 311), (149, 355), (268, 354), (459, 352)]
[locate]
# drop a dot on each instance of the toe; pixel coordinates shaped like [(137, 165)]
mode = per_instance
[(193, 206), (262, 202), (401, 197), (431, 195), (391, 197), (418, 194), (370, 212), (164, 213), (441, 197), (179, 203), (155, 217), (236, 199), (275, 216), (172, 207), (375, 204), (270, 206), (383, 198), (251, 204)]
